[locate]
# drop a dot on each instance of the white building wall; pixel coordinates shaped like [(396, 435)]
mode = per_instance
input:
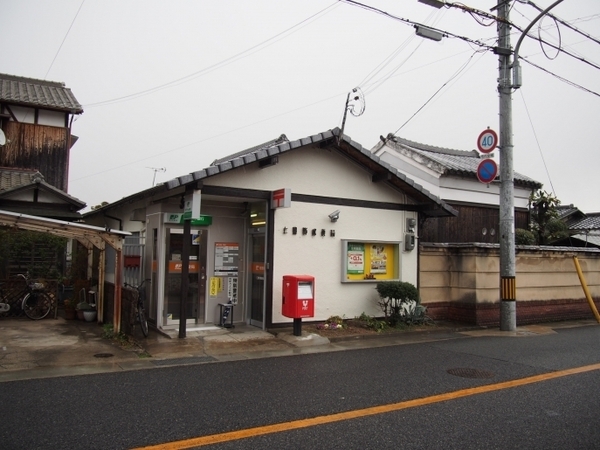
[(321, 257), (310, 171)]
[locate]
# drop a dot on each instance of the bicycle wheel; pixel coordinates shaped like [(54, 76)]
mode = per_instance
[(37, 305), (143, 321)]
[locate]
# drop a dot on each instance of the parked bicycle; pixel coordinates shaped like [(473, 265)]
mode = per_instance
[(36, 303), (4, 305), (140, 313)]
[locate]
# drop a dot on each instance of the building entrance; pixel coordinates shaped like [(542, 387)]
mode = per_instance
[(195, 304)]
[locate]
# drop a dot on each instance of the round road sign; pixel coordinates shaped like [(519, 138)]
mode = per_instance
[(487, 171), (487, 141)]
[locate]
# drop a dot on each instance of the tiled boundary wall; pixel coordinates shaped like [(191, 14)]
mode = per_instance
[(460, 282)]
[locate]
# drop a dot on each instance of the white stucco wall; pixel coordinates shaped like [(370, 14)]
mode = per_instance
[(310, 171), (321, 257)]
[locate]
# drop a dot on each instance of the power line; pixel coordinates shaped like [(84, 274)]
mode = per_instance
[(537, 142), (464, 66), (569, 82), (225, 62), (565, 23), (410, 22), (205, 139), (64, 39)]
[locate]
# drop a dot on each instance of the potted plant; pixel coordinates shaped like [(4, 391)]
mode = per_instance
[(85, 311)]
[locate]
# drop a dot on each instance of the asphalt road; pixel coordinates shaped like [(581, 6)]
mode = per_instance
[(149, 407)]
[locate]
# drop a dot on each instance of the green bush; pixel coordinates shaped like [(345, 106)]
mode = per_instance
[(400, 303), (524, 237), (397, 290)]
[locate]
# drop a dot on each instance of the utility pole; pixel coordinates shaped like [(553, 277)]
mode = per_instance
[(508, 285)]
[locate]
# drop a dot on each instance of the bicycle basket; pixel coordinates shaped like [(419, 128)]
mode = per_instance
[(37, 286)]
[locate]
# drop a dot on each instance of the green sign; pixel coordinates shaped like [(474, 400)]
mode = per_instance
[(178, 218)]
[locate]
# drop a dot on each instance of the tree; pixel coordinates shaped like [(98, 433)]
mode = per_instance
[(545, 223)]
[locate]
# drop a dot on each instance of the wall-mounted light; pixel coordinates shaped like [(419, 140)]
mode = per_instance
[(258, 223), (334, 216)]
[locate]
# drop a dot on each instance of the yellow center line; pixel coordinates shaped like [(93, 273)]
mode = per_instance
[(382, 409)]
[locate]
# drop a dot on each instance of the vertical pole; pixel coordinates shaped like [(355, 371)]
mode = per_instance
[(117, 295), (185, 271), (508, 290), (297, 327)]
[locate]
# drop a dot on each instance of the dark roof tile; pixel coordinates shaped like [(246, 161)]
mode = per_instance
[(40, 93)]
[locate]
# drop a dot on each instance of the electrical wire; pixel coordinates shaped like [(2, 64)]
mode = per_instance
[(461, 69), (541, 41), (390, 58), (410, 22), (64, 39), (256, 48), (569, 82), (590, 63), (563, 22), (537, 142), (130, 163)]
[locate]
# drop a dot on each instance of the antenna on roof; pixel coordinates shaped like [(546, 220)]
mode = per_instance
[(356, 105), (156, 169)]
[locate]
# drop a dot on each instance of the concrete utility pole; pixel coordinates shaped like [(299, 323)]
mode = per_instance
[(508, 285)]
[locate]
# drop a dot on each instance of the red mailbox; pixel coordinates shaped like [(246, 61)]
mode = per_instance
[(298, 296)]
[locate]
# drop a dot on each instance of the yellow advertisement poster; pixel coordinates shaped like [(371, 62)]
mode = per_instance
[(215, 286), (378, 259), (371, 261)]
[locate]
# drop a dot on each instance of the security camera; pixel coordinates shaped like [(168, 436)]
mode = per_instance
[(334, 216)]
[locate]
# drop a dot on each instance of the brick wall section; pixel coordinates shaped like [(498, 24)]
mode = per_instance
[(527, 312), (460, 282)]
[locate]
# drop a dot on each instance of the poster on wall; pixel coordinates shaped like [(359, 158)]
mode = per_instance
[(356, 258), (370, 261), (378, 258), (227, 256)]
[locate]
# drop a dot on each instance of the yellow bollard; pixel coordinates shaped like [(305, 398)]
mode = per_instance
[(585, 289)]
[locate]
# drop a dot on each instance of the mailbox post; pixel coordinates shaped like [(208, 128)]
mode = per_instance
[(298, 299)]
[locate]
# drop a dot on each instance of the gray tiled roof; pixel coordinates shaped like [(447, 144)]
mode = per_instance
[(11, 178), (589, 223), (40, 93), (348, 147), (280, 140), (453, 162)]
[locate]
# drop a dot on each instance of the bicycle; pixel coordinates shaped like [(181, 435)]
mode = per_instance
[(140, 312), (4, 305), (36, 303)]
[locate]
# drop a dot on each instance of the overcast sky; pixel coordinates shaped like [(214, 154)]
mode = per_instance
[(177, 84)]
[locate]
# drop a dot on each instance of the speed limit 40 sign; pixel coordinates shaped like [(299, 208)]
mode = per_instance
[(487, 141)]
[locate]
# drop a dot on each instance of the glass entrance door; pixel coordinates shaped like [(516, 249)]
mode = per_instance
[(195, 303), (257, 278)]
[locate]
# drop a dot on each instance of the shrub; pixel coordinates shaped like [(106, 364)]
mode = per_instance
[(400, 303), (524, 237)]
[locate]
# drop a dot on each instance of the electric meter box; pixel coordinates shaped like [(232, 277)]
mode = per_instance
[(298, 296)]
